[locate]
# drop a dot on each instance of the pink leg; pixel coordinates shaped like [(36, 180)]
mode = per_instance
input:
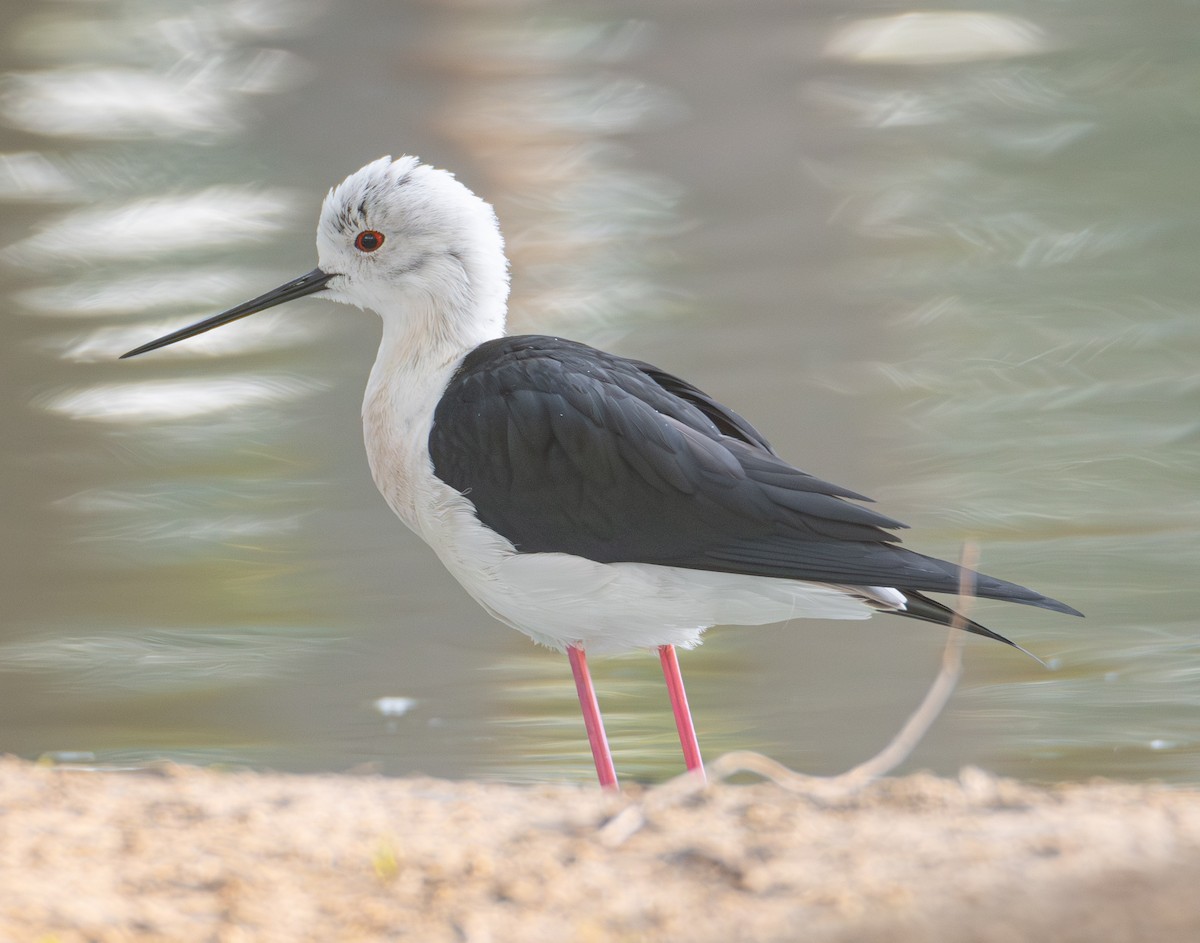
[(683, 714), (592, 719)]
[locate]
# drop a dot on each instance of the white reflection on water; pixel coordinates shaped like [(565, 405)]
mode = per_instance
[(115, 103), (164, 661), (135, 74), (141, 30), (921, 38), (30, 176), (164, 290), (179, 496), (171, 400), (1044, 127), (156, 226)]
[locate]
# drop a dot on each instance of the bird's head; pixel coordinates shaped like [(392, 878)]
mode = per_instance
[(401, 231), (406, 240)]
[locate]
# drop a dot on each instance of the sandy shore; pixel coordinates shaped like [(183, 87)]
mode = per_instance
[(182, 854)]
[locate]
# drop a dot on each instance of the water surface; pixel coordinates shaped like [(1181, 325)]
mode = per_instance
[(946, 259)]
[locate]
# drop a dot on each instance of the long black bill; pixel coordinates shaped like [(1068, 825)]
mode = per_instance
[(314, 281)]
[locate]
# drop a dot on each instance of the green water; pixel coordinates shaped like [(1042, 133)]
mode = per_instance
[(946, 260)]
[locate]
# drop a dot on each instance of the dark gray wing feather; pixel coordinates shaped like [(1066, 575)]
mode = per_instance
[(565, 448)]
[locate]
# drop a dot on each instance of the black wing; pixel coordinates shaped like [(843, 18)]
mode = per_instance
[(565, 448)]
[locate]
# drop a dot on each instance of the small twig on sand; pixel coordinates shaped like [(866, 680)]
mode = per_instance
[(633, 817)]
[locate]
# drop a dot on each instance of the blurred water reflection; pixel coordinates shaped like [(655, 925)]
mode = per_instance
[(28, 175), (173, 400), (538, 104), (167, 290), (944, 257), (147, 228), (181, 520), (114, 665), (927, 38), (170, 70)]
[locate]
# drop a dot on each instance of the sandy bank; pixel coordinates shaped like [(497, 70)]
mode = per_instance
[(184, 854)]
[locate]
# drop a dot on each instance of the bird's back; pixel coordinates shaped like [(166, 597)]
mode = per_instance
[(563, 448)]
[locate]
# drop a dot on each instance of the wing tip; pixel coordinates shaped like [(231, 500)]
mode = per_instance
[(1041, 602)]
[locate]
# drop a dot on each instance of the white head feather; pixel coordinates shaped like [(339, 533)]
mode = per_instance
[(439, 277)]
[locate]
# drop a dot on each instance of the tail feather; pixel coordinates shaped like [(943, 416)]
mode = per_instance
[(928, 610)]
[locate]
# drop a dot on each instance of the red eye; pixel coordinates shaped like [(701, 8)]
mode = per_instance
[(368, 240)]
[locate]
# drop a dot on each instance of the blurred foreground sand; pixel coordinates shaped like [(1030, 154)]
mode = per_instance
[(181, 854)]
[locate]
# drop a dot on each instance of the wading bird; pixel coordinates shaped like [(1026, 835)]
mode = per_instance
[(596, 503)]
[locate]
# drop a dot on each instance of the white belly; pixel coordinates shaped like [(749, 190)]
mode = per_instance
[(558, 599)]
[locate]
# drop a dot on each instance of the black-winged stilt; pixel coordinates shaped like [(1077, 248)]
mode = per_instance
[(593, 502)]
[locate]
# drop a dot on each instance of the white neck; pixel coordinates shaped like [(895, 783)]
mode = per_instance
[(424, 340)]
